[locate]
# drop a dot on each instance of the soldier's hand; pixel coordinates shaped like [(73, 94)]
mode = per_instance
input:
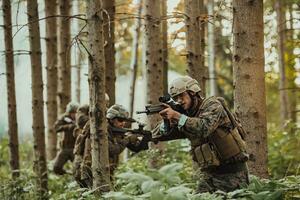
[(132, 138), (170, 114)]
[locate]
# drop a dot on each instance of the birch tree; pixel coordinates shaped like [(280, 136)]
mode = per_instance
[(51, 57), (40, 165), (100, 160), (11, 93), (249, 82)]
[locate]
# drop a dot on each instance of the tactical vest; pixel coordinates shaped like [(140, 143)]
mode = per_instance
[(223, 146)]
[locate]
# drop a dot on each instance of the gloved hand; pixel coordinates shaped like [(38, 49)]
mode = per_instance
[(132, 138)]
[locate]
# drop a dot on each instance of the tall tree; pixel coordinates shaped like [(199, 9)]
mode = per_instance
[(211, 49), (11, 94), (135, 56), (154, 65), (78, 55), (281, 32), (64, 56), (51, 48), (40, 165), (195, 57), (290, 61), (249, 82), (109, 49), (164, 31), (100, 161)]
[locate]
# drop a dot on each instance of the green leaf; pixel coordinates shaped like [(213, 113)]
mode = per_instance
[(117, 196), (157, 195), (147, 186), (171, 169)]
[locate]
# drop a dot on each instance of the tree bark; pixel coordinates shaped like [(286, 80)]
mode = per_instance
[(249, 82), (211, 49), (51, 48), (135, 56), (164, 30), (79, 9), (100, 161), (40, 165), (281, 31), (11, 94), (195, 57), (64, 56), (109, 48), (154, 65)]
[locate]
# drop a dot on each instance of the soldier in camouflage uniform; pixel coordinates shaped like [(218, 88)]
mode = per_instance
[(65, 124), (82, 116), (217, 143), (117, 117)]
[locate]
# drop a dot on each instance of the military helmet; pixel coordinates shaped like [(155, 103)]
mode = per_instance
[(182, 84), (83, 109), (72, 107), (117, 111)]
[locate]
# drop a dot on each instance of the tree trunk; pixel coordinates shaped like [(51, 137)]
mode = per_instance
[(202, 44), (211, 49), (79, 9), (164, 30), (51, 47), (249, 82), (281, 28), (109, 48), (154, 63), (40, 165), (64, 56), (195, 57), (291, 71), (11, 94), (100, 161), (135, 57)]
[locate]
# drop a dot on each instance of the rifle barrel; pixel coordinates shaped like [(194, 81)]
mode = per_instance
[(141, 112)]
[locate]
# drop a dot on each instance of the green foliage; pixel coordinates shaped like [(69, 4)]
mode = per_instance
[(283, 151)]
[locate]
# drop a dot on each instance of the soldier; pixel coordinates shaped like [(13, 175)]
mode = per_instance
[(217, 143), (66, 125), (117, 117), (82, 116)]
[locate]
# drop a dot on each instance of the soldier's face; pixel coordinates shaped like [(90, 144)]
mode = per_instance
[(73, 115), (184, 100), (118, 122)]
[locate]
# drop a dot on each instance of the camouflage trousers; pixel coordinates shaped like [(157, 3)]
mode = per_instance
[(62, 157), (77, 170), (213, 181)]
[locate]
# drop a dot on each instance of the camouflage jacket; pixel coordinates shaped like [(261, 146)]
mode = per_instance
[(66, 125), (116, 145), (203, 119)]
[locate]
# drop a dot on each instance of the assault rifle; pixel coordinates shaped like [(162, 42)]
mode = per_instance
[(156, 108), (146, 137)]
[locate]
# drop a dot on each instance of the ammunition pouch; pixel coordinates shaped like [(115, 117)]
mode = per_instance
[(205, 156), (223, 148), (230, 146)]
